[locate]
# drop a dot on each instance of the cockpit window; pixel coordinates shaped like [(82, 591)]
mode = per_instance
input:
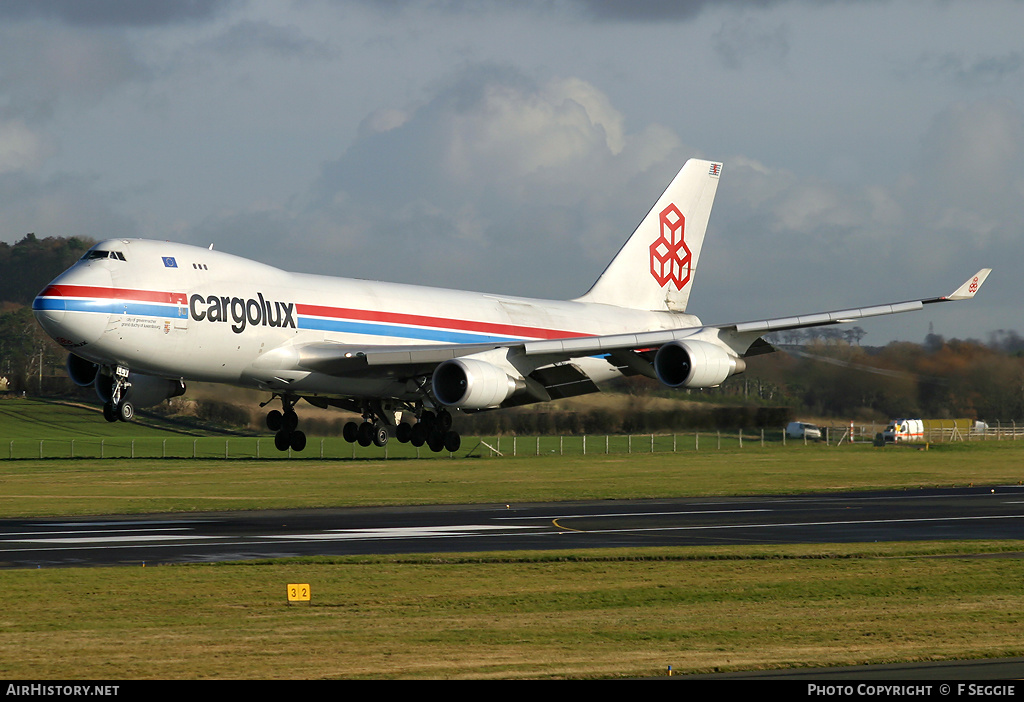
[(94, 254)]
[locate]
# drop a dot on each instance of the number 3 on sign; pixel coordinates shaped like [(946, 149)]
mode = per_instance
[(298, 592)]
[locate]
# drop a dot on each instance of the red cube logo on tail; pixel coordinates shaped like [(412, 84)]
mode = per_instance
[(670, 257)]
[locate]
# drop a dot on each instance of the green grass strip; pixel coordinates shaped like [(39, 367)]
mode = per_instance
[(560, 615)]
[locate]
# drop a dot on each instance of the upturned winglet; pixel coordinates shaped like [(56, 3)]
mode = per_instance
[(971, 287)]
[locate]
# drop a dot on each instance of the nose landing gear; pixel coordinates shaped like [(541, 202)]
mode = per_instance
[(118, 407)]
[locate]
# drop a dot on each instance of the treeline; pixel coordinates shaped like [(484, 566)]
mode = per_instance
[(938, 379), (32, 263), (27, 356)]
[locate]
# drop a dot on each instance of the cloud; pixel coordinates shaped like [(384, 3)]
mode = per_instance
[(918, 224), (43, 65), (661, 10), (598, 11), (985, 70), (113, 13), (256, 37), (496, 182), (744, 39), (971, 175), (21, 148), (61, 205)]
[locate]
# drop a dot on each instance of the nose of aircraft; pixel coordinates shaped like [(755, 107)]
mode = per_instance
[(74, 308)]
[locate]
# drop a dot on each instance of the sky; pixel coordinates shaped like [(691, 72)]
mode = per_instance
[(873, 151)]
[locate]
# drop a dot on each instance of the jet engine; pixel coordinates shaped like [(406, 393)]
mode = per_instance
[(82, 372), (695, 364), (472, 384), (145, 390)]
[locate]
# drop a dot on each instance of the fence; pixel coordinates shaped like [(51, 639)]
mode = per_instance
[(337, 448), (334, 448), (936, 432)]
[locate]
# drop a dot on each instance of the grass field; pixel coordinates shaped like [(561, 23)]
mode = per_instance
[(590, 614), (33, 487), (598, 613)]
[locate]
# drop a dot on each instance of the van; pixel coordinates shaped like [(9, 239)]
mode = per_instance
[(904, 430), (803, 430)]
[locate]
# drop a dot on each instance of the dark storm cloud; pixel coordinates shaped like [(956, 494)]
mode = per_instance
[(104, 13), (42, 66), (595, 10), (648, 10)]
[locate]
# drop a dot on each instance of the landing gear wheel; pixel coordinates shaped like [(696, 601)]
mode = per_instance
[(418, 435), (109, 413), (452, 441), (350, 432), (365, 434), (125, 411), (403, 432), (298, 441), (282, 440), (289, 420), (435, 441), (380, 435), (444, 420), (274, 420)]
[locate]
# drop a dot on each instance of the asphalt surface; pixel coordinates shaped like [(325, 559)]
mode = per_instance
[(939, 514)]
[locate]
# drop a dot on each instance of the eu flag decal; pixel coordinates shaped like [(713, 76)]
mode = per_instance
[(169, 262)]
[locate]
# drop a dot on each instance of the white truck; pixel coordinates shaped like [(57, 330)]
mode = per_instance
[(900, 430)]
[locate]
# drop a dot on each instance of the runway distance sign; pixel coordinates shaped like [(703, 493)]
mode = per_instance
[(299, 592)]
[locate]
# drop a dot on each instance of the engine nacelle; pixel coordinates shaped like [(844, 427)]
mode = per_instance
[(472, 384), (695, 364), (82, 372), (145, 390)]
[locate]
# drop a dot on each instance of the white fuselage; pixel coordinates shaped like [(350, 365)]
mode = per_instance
[(178, 311)]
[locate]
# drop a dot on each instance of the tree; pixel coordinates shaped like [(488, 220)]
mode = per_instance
[(23, 347), (30, 264)]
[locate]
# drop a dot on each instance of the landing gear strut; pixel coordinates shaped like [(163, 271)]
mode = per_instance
[(284, 423)]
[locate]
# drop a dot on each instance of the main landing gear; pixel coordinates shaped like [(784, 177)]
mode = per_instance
[(284, 423), (431, 428), (434, 430)]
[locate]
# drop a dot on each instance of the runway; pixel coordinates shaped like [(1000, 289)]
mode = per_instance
[(935, 514)]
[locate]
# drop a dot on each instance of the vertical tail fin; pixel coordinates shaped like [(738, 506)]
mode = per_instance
[(654, 269)]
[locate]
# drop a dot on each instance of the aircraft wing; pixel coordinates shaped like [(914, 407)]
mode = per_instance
[(343, 359), (581, 346), (964, 292)]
